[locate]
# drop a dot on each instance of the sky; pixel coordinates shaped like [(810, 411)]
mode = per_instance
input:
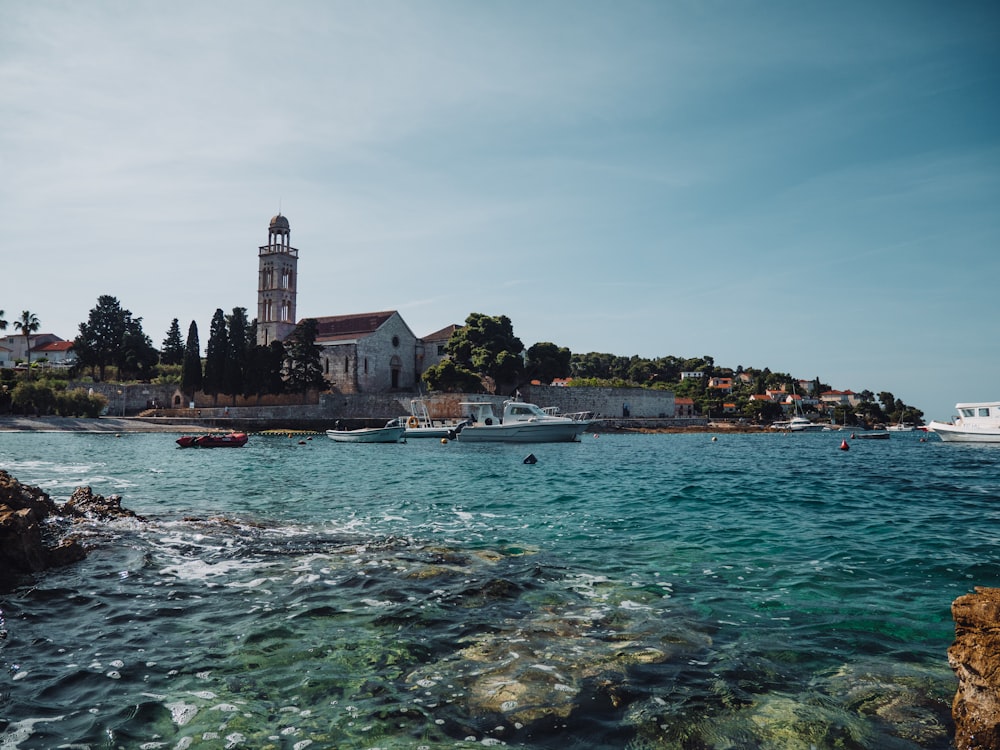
[(812, 187)]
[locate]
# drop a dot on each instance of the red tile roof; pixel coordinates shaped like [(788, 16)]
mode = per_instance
[(337, 327), (54, 346)]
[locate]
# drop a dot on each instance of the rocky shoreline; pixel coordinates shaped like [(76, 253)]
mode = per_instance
[(36, 533)]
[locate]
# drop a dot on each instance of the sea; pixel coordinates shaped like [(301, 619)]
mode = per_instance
[(638, 591)]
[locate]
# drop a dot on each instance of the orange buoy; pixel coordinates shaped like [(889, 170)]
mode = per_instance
[(844, 446)]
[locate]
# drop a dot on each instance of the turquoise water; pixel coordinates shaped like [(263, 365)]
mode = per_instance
[(629, 591)]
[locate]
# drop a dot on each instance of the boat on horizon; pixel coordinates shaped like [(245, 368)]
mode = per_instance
[(521, 422), (977, 422)]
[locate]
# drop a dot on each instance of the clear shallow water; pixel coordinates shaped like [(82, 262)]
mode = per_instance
[(636, 591)]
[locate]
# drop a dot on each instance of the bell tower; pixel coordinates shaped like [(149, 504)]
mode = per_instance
[(276, 284)]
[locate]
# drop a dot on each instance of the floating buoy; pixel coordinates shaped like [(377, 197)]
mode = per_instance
[(844, 446), (444, 441), (596, 436), (531, 459), (715, 439), (852, 436), (302, 442)]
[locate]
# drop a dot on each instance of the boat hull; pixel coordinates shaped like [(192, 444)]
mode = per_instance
[(950, 433), (368, 435), (522, 433)]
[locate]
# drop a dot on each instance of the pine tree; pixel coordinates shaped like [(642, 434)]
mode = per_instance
[(172, 352)]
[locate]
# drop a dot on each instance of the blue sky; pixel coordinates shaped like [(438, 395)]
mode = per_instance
[(811, 187)]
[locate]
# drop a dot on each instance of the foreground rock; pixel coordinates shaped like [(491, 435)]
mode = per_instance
[(31, 537), (975, 657)]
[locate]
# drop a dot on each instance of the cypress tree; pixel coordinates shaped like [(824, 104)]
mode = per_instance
[(191, 378)]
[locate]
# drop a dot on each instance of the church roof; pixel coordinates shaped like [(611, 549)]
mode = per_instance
[(335, 327), (443, 335)]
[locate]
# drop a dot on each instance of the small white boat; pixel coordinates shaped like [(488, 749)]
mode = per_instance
[(976, 423), (391, 433), (420, 425), (521, 423), (901, 427)]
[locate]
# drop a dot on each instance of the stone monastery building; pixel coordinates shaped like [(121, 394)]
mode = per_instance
[(361, 353)]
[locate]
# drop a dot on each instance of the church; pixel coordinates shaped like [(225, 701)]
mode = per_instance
[(374, 352)]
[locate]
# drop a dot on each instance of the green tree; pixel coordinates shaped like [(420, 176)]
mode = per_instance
[(172, 352), (191, 376), (3, 323), (546, 362), (215, 357), (449, 377), (264, 369), (487, 345), (111, 337), (235, 365), (136, 356), (27, 325), (303, 370)]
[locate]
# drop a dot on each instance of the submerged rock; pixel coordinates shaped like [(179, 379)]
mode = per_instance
[(29, 541), (975, 658)]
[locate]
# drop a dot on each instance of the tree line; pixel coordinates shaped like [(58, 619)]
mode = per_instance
[(484, 355)]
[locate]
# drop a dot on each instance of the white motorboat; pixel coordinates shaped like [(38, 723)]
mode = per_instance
[(975, 423), (391, 433), (420, 425), (521, 423), (798, 424)]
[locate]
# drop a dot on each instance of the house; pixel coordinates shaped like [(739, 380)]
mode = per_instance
[(683, 407), (761, 397), (58, 353), (691, 374), (729, 408), (838, 398), (724, 385), (805, 386), (6, 356), (367, 352), (792, 403), (16, 344)]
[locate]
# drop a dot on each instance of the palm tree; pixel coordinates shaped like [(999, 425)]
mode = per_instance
[(27, 325), (3, 323)]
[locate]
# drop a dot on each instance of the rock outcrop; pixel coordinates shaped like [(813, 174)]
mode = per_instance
[(32, 540), (975, 657)]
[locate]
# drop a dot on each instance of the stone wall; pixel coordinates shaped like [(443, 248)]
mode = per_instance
[(604, 402)]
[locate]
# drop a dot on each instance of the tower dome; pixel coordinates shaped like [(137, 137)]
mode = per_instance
[(279, 224)]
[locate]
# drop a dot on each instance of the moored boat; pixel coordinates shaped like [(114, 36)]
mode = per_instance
[(870, 435), (214, 440), (798, 424), (391, 433), (977, 422), (420, 425), (521, 423)]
